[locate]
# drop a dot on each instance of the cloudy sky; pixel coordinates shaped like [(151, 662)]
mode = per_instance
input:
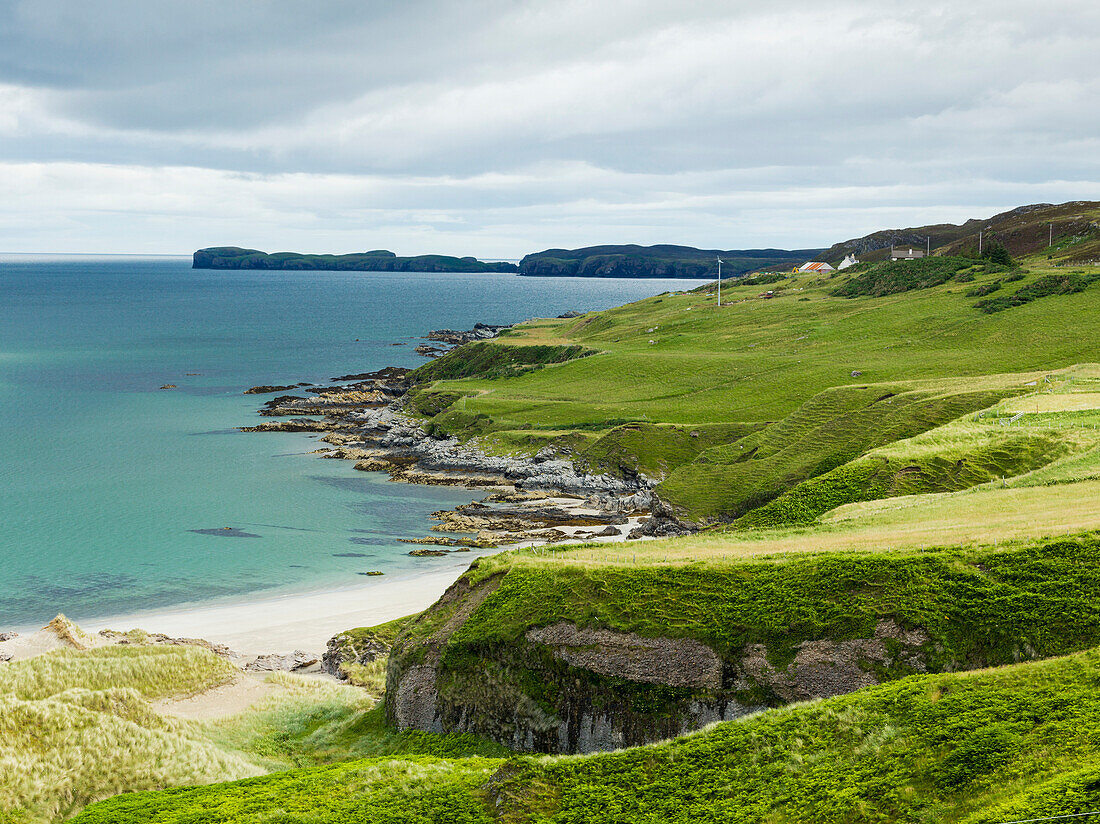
[(497, 127)]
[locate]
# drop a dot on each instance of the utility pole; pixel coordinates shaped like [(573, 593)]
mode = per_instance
[(719, 281), (928, 246), (1051, 243), (979, 243)]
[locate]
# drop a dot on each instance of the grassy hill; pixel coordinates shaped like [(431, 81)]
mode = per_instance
[(1024, 231), (988, 746), (778, 387)]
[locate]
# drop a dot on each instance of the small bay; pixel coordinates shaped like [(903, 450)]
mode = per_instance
[(117, 495)]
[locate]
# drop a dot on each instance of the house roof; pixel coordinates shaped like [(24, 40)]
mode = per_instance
[(815, 266)]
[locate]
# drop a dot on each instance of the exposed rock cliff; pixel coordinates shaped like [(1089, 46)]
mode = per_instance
[(558, 658), (564, 688)]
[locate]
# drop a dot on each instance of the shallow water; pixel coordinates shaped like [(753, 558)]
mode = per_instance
[(115, 495)]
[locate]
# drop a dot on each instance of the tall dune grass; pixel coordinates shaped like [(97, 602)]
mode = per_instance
[(155, 672), (76, 727)]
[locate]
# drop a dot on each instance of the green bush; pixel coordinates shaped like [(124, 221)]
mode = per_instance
[(893, 277), (1043, 287), (985, 289), (995, 252), (493, 360)]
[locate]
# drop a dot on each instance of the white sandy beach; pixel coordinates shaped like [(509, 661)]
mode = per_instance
[(294, 621)]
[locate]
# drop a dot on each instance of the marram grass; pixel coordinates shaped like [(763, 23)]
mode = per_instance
[(77, 726), (985, 746)]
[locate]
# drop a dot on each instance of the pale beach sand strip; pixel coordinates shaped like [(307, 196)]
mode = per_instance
[(294, 621)]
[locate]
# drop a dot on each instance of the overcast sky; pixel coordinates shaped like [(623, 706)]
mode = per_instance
[(495, 128)]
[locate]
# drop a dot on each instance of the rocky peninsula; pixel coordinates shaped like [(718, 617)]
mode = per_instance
[(528, 500)]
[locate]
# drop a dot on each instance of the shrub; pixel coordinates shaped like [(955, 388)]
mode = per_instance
[(994, 252), (1043, 287)]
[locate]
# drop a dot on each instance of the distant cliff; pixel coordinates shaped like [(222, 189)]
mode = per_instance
[(379, 260), (662, 261)]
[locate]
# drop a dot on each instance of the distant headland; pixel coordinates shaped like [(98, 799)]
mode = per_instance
[(613, 261), (378, 260), (660, 261)]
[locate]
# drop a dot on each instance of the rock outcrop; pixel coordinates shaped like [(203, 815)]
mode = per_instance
[(395, 435), (481, 331), (365, 421), (348, 648), (565, 688), (274, 662)]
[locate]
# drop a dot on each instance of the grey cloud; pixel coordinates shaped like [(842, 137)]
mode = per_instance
[(651, 117)]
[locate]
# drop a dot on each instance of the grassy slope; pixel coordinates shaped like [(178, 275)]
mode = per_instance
[(79, 726), (995, 445), (978, 747), (755, 360)]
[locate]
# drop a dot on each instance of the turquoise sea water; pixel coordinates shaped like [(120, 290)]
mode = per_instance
[(103, 476)]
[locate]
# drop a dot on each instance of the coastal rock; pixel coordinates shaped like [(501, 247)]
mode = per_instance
[(297, 660), (326, 402), (7, 636), (349, 453), (266, 390), (365, 423), (673, 662), (389, 374), (658, 527), (397, 434), (293, 425), (569, 687), (824, 668), (349, 648), (374, 464), (481, 331), (640, 501)]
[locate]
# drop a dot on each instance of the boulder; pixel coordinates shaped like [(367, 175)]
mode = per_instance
[(297, 660), (347, 648)]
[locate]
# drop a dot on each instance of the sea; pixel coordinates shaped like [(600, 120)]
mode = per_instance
[(115, 494)]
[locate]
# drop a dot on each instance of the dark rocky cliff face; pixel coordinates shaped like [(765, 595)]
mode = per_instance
[(567, 689), (558, 657)]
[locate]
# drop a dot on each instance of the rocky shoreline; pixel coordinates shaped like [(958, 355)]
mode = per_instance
[(530, 500)]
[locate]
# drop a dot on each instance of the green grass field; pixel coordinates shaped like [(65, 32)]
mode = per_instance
[(808, 356)]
